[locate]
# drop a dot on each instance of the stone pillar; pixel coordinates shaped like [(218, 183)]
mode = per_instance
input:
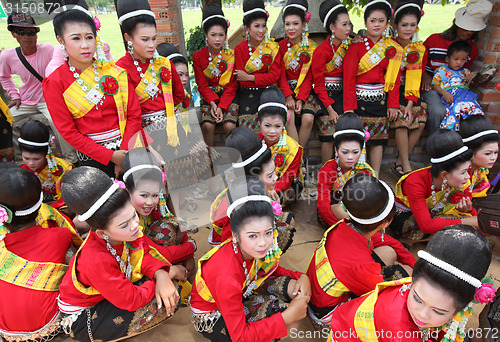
[(169, 23), (489, 53)]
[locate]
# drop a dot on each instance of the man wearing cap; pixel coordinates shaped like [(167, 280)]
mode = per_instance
[(27, 101), (468, 21)]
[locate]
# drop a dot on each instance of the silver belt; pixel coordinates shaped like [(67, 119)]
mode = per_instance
[(333, 86), (113, 144), (154, 122), (293, 84), (206, 322), (370, 95)]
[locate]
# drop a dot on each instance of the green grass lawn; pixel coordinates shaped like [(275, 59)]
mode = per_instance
[(436, 19)]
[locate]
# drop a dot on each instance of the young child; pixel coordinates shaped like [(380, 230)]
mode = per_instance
[(104, 294), (154, 77), (433, 305), (433, 197), (256, 64), (38, 158), (479, 135), (241, 293), (450, 82), (339, 270), (296, 81), (256, 160), (327, 70), (213, 70), (349, 161), (33, 261), (97, 117), (144, 180), (287, 153)]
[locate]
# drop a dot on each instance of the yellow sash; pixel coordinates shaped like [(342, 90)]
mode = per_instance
[(47, 176), (74, 96), (228, 59), (296, 51), (183, 114), (346, 176), (41, 276), (270, 49), (213, 210), (5, 110), (136, 257), (481, 183), (265, 267), (324, 272), (364, 320), (448, 209), (414, 70), (288, 156), (160, 64), (338, 55), (47, 213), (366, 63)]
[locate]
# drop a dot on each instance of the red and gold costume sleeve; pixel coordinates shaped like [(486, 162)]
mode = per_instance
[(175, 253), (322, 56), (263, 77), (375, 76), (417, 187), (283, 82), (326, 176), (98, 268), (98, 119), (404, 256)]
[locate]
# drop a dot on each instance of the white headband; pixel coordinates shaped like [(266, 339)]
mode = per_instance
[(330, 13), (449, 156), (254, 10), (450, 269), (404, 6), (135, 14), (348, 131), (240, 201), (479, 135), (252, 157), (295, 5), (100, 201), (378, 1), (272, 104), (32, 209), (213, 16), (383, 214), (32, 143), (76, 7), (173, 55), (139, 167)]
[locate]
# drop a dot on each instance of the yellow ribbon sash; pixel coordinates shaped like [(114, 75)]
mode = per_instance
[(74, 96), (297, 51), (46, 213), (324, 272), (364, 319), (5, 110), (338, 57), (441, 196), (162, 66), (288, 156), (413, 63), (136, 257), (269, 51), (265, 268), (41, 276), (346, 176), (393, 51), (228, 60), (480, 183), (213, 211)]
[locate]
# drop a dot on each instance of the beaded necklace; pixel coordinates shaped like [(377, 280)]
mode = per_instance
[(257, 62), (294, 63), (437, 207), (151, 87), (250, 285), (340, 173), (214, 70), (376, 56), (92, 93), (125, 267)]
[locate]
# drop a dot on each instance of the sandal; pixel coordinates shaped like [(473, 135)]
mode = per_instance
[(397, 170)]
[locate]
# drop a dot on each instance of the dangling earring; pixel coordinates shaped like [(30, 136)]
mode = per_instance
[(415, 38), (226, 45), (130, 47), (444, 185), (51, 162), (383, 233), (64, 53), (106, 238), (206, 41), (247, 35), (235, 245)]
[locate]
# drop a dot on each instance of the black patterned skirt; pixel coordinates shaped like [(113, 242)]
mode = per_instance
[(419, 112), (372, 109), (270, 298), (230, 115), (249, 108)]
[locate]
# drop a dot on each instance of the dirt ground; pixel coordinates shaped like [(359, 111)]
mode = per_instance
[(309, 232)]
